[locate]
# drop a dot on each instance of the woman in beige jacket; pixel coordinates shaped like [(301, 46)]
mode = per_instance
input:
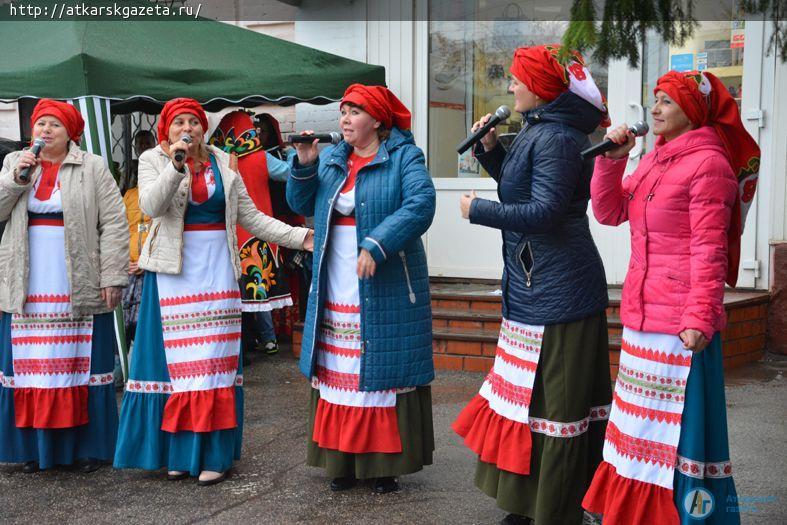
[(63, 261), (183, 406)]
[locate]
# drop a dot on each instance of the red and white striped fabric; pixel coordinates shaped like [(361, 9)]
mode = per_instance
[(51, 350), (200, 318), (496, 422), (347, 419), (641, 445)]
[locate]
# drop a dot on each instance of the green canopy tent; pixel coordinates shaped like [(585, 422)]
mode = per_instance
[(115, 66), (137, 65)]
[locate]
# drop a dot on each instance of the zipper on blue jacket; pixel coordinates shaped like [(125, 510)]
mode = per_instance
[(407, 276)]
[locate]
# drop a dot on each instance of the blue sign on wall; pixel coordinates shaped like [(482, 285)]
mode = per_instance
[(683, 62)]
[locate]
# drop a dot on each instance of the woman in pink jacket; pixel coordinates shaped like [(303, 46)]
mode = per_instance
[(666, 453)]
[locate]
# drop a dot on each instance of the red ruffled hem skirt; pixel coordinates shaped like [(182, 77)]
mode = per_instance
[(624, 501), (494, 438), (200, 411), (356, 430), (51, 407)]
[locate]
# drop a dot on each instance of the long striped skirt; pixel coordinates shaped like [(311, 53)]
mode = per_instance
[(183, 405), (57, 396), (538, 422), (354, 433), (666, 453)]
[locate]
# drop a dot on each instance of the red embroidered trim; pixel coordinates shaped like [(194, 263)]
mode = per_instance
[(527, 332), (337, 379), (65, 365), (332, 334), (700, 470), (46, 298), (652, 378), (45, 315), (201, 314), (641, 449), (53, 325), (343, 308), (201, 340), (198, 298), (203, 367), (558, 429), (50, 339), (101, 379), (338, 350), (521, 345), (512, 393), (600, 413), (516, 361), (646, 413), (655, 355), (158, 387), (199, 326)]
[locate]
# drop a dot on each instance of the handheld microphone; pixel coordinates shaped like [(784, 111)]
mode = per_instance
[(38, 145), (332, 137), (639, 129), (501, 114), (180, 154)]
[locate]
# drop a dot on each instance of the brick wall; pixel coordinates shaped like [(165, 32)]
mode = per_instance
[(777, 316)]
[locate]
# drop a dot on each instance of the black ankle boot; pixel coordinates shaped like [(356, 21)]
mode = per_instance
[(339, 484), (88, 465), (516, 519), (385, 485), (30, 467)]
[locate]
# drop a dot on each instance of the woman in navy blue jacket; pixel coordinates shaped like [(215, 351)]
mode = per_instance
[(367, 340), (538, 421)]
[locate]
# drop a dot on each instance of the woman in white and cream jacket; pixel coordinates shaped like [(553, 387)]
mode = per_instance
[(63, 262), (183, 406)]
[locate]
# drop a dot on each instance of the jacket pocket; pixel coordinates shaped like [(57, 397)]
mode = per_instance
[(525, 257), (153, 238), (678, 277), (411, 294)]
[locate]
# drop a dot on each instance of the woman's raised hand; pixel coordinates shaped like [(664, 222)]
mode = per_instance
[(173, 149), (624, 138), (307, 152), (26, 160), (489, 140)]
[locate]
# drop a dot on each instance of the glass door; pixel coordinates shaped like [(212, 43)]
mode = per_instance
[(732, 50)]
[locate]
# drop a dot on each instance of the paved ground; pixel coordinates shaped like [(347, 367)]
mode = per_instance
[(271, 484)]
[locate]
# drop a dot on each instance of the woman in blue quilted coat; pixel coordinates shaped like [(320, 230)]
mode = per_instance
[(538, 422), (367, 340)]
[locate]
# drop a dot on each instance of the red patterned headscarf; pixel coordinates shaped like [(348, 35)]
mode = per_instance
[(538, 68), (380, 103), (179, 106), (706, 102), (65, 113)]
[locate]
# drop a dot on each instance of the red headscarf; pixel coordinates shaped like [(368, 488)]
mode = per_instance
[(538, 68), (380, 103), (65, 113), (179, 106), (706, 102)]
